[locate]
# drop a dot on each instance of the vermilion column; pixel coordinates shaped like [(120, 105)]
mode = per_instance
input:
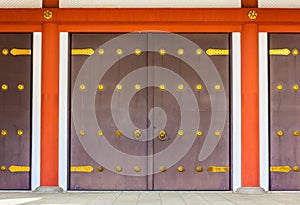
[(250, 106), (49, 106)]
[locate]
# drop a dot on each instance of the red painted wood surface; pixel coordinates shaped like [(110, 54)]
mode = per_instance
[(250, 106), (49, 106), (50, 3)]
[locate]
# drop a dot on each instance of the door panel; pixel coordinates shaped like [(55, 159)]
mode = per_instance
[(162, 110), (284, 111), (183, 105), (15, 110), (116, 133)]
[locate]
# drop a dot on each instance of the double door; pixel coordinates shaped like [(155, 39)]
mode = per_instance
[(149, 111)]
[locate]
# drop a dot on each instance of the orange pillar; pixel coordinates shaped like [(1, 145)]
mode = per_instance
[(250, 106), (49, 106)]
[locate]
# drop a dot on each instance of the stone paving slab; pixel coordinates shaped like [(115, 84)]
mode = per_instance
[(148, 198)]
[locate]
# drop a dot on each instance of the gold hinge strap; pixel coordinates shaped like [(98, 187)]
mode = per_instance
[(284, 169), (15, 168), (280, 52), (217, 52), (86, 169), (20, 52), (84, 51), (218, 169)]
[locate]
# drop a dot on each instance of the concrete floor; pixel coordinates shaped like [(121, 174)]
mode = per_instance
[(147, 198)]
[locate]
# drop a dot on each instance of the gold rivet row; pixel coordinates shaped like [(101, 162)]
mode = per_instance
[(4, 132), (294, 87), (162, 87), (137, 51), (281, 133), (5, 87)]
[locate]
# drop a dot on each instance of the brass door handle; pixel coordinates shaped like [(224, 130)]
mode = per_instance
[(162, 136)]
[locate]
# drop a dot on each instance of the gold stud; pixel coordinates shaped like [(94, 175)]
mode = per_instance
[(20, 87), (295, 52), (137, 133), (217, 87), (162, 52), (4, 132), (4, 87), (279, 87), (296, 169), (138, 51), (180, 51), (119, 133), (5, 51), (198, 51), (162, 87), (101, 51), (3, 168), (47, 14), (180, 87), (100, 87), (100, 133), (119, 52), (199, 169), (199, 133), (180, 133), (119, 87), (295, 87), (217, 133), (252, 14), (296, 133), (100, 169), (137, 87), (82, 87), (82, 133), (279, 133), (198, 87), (137, 169), (162, 169), (180, 169), (20, 132), (118, 169)]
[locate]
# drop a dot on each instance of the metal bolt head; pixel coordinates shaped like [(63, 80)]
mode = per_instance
[(252, 14), (47, 14), (5, 51)]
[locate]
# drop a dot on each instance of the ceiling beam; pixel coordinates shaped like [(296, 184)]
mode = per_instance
[(50, 3), (249, 3)]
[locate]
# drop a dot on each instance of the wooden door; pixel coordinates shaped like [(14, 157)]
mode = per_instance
[(15, 110), (195, 73), (149, 111), (108, 149), (284, 111)]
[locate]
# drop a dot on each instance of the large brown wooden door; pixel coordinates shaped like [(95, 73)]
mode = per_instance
[(15, 110), (150, 111), (284, 111)]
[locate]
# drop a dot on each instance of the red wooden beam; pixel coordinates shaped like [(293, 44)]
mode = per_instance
[(50, 3), (249, 3)]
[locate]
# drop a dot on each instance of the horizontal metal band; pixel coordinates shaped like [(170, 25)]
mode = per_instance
[(217, 52), (20, 52), (84, 51), (15, 168), (218, 169), (86, 169), (284, 169), (280, 52)]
